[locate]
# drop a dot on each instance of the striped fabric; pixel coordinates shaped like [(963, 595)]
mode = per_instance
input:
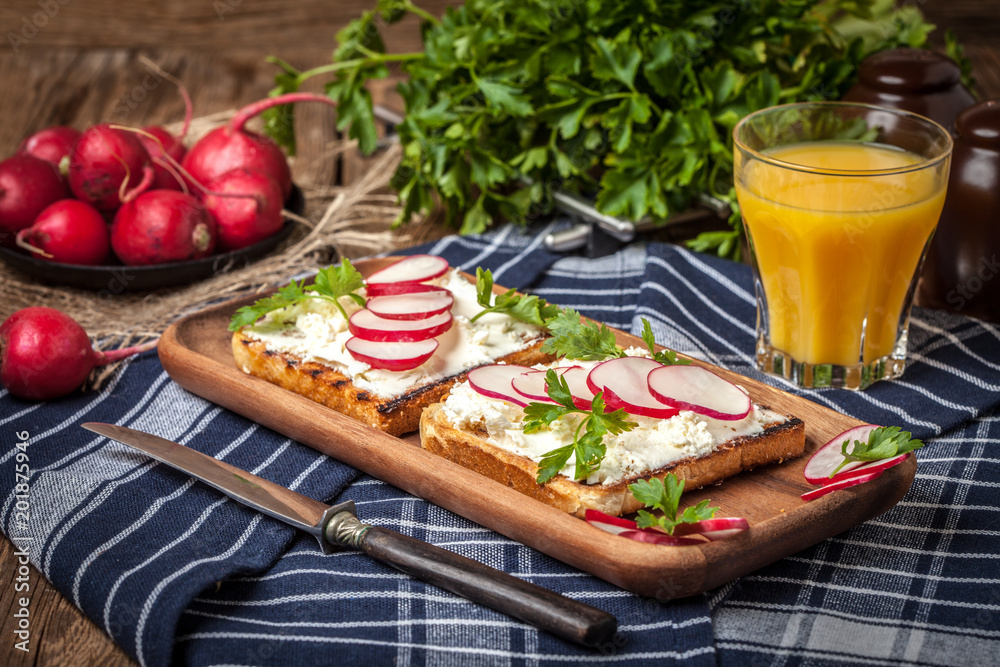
[(176, 573)]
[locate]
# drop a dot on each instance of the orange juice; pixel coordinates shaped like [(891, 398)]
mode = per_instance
[(837, 251)]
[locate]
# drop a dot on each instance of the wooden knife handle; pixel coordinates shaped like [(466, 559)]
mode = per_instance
[(542, 608)]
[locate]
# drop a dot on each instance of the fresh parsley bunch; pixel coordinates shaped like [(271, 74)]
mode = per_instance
[(630, 102)]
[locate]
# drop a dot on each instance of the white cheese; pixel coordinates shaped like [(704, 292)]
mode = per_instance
[(314, 330), (655, 443)]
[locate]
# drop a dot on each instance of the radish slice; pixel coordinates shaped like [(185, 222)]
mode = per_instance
[(366, 324), (612, 524), (532, 385), (699, 390), (416, 306), (412, 269), (826, 459), (841, 484), (576, 380), (391, 356), (713, 529), (623, 381), (392, 289), (880, 465), (656, 537), (494, 381)]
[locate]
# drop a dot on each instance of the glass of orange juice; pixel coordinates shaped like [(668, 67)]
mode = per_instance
[(839, 201)]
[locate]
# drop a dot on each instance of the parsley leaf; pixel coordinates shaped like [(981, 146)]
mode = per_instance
[(524, 307), (588, 445), (884, 442), (665, 495), (573, 338), (329, 284)]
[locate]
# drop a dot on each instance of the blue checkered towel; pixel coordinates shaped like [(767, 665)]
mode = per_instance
[(175, 572)]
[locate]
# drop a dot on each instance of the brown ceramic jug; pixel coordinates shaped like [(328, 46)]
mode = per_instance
[(962, 269), (924, 82)]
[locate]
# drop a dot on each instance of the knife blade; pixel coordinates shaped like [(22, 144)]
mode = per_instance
[(337, 527)]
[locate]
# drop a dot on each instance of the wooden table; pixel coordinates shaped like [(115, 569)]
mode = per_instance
[(82, 67)]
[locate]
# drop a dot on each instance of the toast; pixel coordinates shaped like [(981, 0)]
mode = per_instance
[(480, 447), (302, 348)]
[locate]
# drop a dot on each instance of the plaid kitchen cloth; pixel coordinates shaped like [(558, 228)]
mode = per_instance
[(176, 573)]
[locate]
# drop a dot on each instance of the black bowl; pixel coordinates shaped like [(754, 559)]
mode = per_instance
[(118, 278)]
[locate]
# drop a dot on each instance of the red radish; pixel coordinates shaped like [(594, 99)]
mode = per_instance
[(395, 289), (69, 231), (656, 537), (162, 226), (713, 529), (369, 326), (45, 354), (623, 381), (532, 385), (412, 269), (105, 163), (232, 146), (576, 380), (612, 524), (699, 390), (494, 381), (391, 356), (53, 144), (165, 150), (820, 466), (839, 484), (247, 207), (415, 306), (27, 185)]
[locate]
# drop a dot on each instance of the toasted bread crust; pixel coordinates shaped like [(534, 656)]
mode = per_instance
[(335, 390), (781, 441)]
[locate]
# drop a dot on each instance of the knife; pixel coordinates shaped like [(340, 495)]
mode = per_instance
[(338, 527)]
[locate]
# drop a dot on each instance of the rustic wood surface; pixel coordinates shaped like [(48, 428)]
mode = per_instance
[(78, 64)]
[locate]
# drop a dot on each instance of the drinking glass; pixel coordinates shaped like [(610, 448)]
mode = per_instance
[(839, 202)]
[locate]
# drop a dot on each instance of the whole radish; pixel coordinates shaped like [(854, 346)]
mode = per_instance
[(162, 226), (27, 185), (105, 163), (69, 231), (232, 146), (45, 354), (162, 142), (250, 213), (53, 144)]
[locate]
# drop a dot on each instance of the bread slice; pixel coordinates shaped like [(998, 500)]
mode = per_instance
[(330, 387), (470, 448)]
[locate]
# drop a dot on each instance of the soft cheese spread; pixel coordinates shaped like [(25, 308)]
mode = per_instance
[(655, 443), (314, 330)]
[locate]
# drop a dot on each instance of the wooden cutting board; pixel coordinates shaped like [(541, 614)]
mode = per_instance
[(196, 353)]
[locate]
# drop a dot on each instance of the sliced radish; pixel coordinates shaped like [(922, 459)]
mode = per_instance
[(366, 324), (532, 386), (880, 465), (576, 380), (699, 390), (391, 356), (415, 306), (713, 529), (494, 381), (825, 460), (412, 269), (612, 524), (623, 381), (656, 537), (840, 484), (392, 289)]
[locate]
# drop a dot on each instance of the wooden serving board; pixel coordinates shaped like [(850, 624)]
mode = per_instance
[(196, 353)]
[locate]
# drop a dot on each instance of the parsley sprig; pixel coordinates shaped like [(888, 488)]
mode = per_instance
[(524, 307), (574, 338), (665, 496), (588, 438), (329, 284), (884, 442)]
